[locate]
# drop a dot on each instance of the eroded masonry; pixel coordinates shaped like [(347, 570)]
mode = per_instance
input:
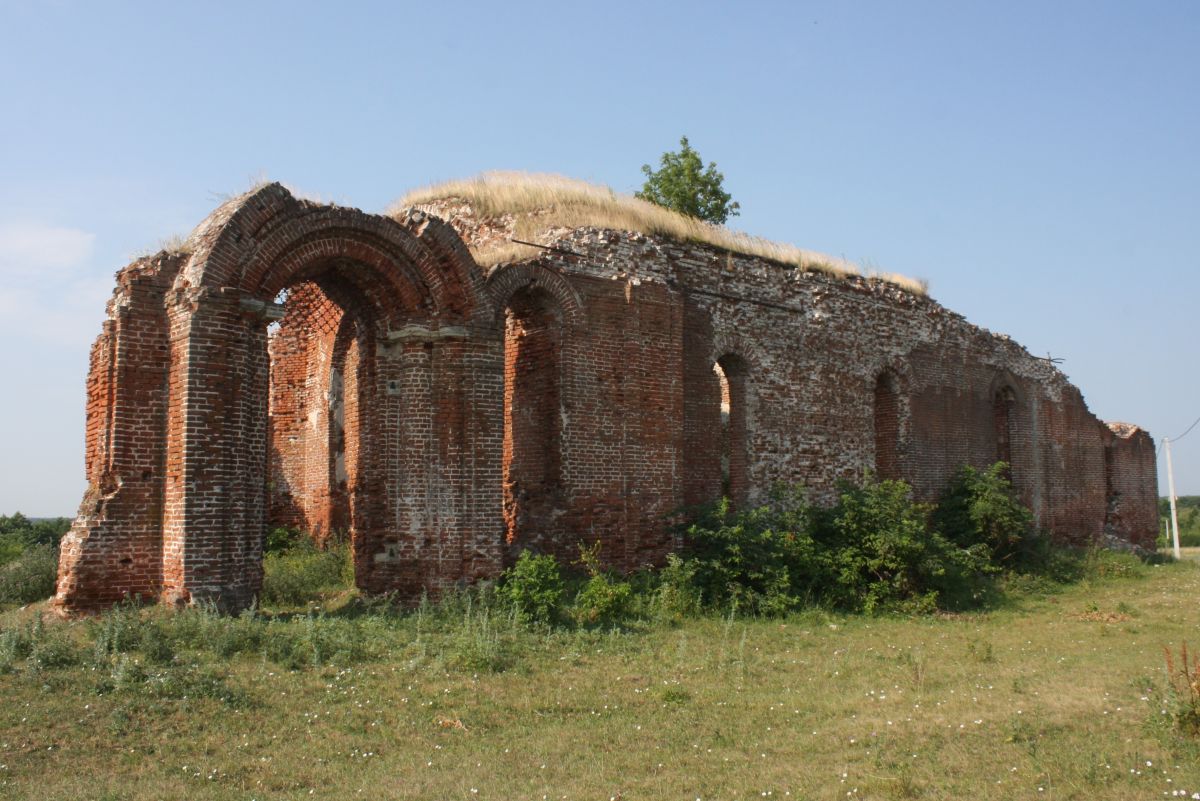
[(318, 367)]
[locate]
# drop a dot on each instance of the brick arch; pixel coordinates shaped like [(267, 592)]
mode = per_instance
[(1005, 380), (263, 239), (898, 366), (507, 280), (393, 290), (745, 349), (386, 273)]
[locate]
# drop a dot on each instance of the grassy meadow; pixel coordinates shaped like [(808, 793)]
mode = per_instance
[(1059, 692)]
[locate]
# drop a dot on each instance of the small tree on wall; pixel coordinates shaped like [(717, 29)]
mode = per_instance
[(681, 183)]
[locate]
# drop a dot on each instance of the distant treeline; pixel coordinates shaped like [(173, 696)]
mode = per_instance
[(19, 533), (1187, 507)]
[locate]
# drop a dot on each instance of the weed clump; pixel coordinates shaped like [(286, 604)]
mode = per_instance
[(1183, 690), (979, 508), (296, 572), (604, 601), (534, 587)]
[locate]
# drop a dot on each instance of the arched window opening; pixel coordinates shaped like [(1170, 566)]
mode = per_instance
[(730, 371), (315, 354), (532, 457), (887, 426), (1004, 404), (723, 433)]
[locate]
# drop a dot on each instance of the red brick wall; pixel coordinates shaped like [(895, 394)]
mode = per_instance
[(1133, 486), (114, 548), (533, 412), (446, 418)]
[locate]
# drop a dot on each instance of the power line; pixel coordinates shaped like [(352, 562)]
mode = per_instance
[(1181, 436), (1185, 433)]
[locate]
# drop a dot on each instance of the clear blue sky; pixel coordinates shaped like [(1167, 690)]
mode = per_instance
[(1036, 162)]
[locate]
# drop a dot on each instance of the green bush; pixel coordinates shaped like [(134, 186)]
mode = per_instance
[(282, 539), (534, 587), (29, 577), (675, 593), (305, 574), (886, 555), (981, 508), (602, 602), (875, 550), (761, 561), (10, 549)]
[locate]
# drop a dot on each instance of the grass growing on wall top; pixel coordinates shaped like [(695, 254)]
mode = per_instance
[(541, 202)]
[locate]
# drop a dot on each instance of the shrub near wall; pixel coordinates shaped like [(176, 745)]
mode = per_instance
[(888, 556), (296, 572), (874, 550)]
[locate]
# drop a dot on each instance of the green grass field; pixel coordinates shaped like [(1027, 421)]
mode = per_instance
[(1054, 696)]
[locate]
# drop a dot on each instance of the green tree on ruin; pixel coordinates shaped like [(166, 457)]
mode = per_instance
[(682, 183)]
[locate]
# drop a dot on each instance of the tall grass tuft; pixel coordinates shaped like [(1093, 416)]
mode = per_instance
[(1183, 679), (303, 573)]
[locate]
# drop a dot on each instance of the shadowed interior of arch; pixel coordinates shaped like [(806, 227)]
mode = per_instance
[(887, 426), (1004, 404), (532, 457), (730, 371), (319, 402)]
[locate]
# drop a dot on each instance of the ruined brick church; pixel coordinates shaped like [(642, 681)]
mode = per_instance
[(518, 363)]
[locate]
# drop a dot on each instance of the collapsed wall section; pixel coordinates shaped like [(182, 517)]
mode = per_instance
[(1132, 470), (114, 547)]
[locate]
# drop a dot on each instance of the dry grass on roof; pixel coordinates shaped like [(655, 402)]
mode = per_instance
[(540, 202)]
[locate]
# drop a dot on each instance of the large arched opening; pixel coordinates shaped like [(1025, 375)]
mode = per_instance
[(320, 397), (320, 367)]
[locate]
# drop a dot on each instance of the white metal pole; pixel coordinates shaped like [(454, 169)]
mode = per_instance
[(1171, 489)]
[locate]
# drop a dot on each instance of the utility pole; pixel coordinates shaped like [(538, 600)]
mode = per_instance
[(1171, 489)]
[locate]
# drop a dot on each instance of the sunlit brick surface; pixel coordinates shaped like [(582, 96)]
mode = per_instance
[(443, 417)]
